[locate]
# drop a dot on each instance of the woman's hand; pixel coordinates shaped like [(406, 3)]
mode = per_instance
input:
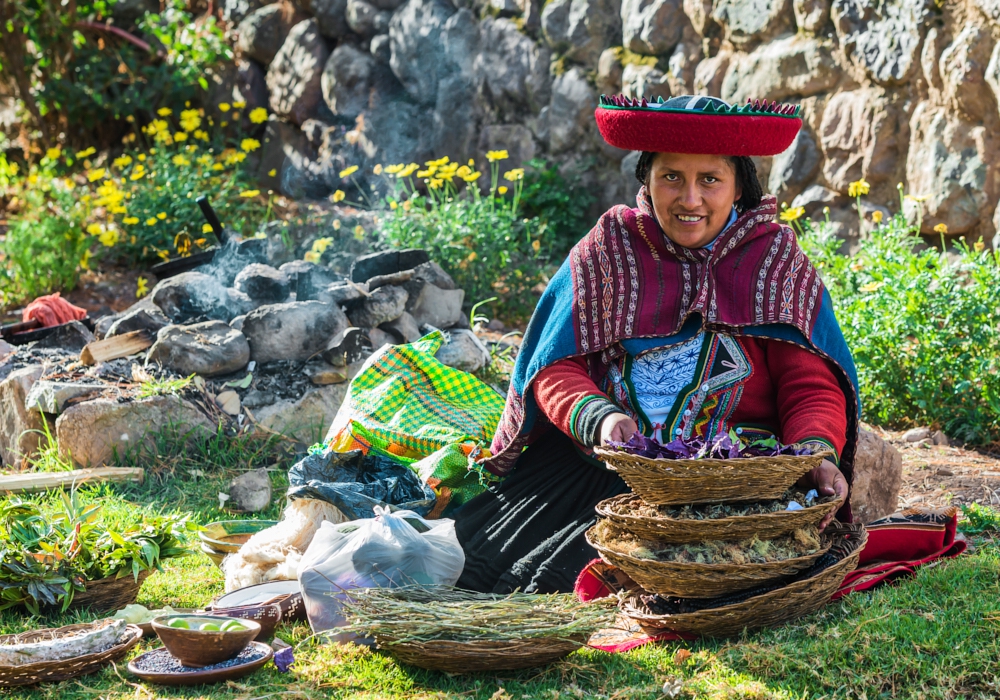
[(617, 427), (828, 480)]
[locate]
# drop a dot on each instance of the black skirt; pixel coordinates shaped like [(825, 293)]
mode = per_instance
[(527, 533)]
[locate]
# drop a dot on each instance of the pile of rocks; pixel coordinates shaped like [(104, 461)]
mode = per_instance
[(267, 345)]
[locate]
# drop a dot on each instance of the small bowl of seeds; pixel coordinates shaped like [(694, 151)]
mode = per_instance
[(203, 640)]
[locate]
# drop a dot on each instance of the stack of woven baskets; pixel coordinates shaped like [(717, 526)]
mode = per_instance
[(746, 595)]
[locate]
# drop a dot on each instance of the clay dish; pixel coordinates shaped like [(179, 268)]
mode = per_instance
[(198, 648)]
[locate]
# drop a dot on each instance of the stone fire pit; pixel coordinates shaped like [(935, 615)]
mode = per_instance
[(265, 346)]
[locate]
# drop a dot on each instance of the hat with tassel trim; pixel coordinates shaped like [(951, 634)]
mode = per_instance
[(697, 124)]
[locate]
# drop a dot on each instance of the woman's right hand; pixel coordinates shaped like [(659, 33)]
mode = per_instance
[(617, 427)]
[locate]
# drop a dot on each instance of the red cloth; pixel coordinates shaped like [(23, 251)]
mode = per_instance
[(52, 310), (896, 547), (790, 390)]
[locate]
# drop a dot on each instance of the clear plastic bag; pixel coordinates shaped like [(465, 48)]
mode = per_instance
[(389, 550)]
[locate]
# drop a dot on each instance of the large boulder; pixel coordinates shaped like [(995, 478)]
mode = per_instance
[(233, 11), (288, 154), (417, 52), (683, 62), (882, 37), (251, 85), (464, 351), (51, 397), (433, 306), (21, 429), (263, 283), (747, 24), (794, 168), (141, 317), (963, 72), (384, 304), (331, 17), (582, 29), (348, 79), (294, 76), (571, 111), (296, 330), (209, 349), (511, 68), (307, 418), (92, 432), (387, 262), (263, 31), (862, 135), (948, 162), (710, 74), (878, 476), (365, 19), (811, 15), (652, 27), (644, 80), (795, 65), (194, 294)]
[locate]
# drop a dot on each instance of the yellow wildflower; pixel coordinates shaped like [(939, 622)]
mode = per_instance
[(425, 173), (258, 115), (141, 156), (377, 169), (141, 288), (393, 205), (122, 161), (536, 245), (87, 152), (162, 216), (201, 135), (239, 105), (164, 255), (206, 228), (272, 172), (792, 214), (472, 177), (235, 157), (472, 162), (204, 159), (180, 160), (95, 229), (249, 193), (502, 189), (941, 228), (95, 175), (85, 260), (347, 172), (406, 205), (871, 287), (435, 183), (130, 220), (338, 196), (223, 107), (190, 120), (408, 170), (217, 166), (359, 231), (180, 136), (53, 153), (514, 175), (336, 224), (979, 246), (311, 257), (249, 145), (164, 111), (321, 244), (464, 171), (151, 221), (877, 216), (108, 238), (494, 156), (394, 169), (858, 188)]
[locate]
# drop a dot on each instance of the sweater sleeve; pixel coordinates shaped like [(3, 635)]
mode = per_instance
[(811, 405), (570, 399)]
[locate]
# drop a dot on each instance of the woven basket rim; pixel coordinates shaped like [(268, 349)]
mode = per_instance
[(860, 537), (714, 462), (82, 663), (712, 568), (604, 509)]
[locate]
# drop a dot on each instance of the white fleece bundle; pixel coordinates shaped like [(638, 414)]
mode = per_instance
[(274, 554)]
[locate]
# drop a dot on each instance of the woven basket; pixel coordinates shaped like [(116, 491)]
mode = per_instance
[(107, 594), (470, 657), (765, 610), (765, 526), (51, 671), (689, 580), (684, 481)]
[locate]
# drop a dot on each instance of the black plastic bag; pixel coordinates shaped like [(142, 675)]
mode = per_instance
[(355, 483)]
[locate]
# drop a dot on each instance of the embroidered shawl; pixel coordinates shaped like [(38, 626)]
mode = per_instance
[(626, 280)]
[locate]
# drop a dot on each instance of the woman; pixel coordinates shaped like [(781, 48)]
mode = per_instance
[(692, 314)]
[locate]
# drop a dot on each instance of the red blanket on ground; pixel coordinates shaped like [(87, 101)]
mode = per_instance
[(896, 546), (52, 310)]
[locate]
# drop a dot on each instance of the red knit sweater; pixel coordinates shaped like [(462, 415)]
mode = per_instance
[(790, 391)]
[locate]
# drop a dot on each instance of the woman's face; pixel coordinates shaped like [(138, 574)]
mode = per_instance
[(692, 195)]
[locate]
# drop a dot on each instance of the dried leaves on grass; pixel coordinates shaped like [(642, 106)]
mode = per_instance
[(750, 551), (418, 614)]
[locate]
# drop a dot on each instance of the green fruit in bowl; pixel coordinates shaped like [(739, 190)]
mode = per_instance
[(232, 626), (209, 627), (179, 623)]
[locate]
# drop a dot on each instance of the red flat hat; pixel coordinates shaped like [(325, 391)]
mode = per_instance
[(697, 124)]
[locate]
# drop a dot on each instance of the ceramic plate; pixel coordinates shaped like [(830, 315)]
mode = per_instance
[(144, 666)]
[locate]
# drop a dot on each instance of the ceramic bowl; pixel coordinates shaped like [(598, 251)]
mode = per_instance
[(227, 536), (197, 648)]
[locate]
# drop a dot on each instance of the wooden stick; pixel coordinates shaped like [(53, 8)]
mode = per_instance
[(43, 481), (116, 347)]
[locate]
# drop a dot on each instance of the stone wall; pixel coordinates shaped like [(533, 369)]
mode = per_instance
[(892, 91)]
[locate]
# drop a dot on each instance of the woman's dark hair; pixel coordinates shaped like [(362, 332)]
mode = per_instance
[(743, 167)]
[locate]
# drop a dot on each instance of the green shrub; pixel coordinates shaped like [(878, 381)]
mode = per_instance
[(924, 327), (481, 240), (45, 243), (560, 204)]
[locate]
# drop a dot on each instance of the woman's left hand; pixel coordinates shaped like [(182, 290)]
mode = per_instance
[(828, 480)]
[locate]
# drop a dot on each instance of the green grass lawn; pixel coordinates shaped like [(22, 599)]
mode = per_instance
[(935, 636)]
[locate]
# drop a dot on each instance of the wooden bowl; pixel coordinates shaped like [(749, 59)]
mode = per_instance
[(197, 648), (227, 536)]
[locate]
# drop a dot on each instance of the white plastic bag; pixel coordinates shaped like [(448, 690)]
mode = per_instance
[(389, 550)]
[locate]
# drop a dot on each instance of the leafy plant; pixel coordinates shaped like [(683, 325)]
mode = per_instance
[(560, 204), (979, 519), (50, 547), (924, 326)]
